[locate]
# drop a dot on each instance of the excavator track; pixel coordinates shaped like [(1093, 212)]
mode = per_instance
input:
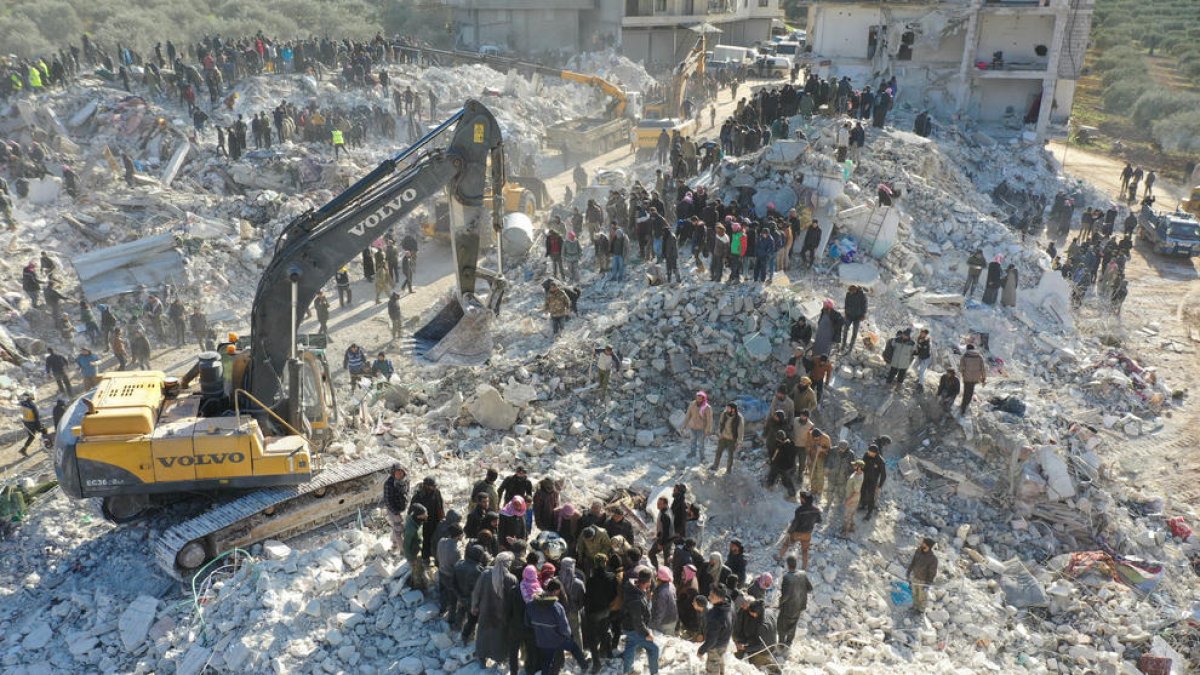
[(336, 492)]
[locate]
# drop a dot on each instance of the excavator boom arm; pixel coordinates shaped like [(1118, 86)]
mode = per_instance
[(315, 245)]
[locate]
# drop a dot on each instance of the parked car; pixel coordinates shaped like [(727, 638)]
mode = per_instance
[(1175, 233)]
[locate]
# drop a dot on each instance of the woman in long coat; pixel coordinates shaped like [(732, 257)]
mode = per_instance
[(992, 289), (496, 601), (1008, 297)]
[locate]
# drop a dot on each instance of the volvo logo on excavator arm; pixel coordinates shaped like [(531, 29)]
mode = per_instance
[(387, 209), (203, 460)]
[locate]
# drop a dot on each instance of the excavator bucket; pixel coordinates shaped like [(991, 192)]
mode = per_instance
[(459, 334)]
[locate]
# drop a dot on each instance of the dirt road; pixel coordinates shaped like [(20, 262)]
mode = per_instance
[(1160, 326)]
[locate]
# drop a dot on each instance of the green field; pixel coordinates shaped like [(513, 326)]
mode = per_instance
[(1139, 86)]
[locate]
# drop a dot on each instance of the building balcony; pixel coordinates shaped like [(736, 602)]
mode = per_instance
[(685, 12)]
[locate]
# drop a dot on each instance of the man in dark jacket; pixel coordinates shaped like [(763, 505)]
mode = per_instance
[(395, 499), (477, 515), (448, 556), (545, 502), (56, 367), (856, 311), (618, 525), (948, 388), (874, 476), (488, 487), (552, 633), (670, 254), (793, 600), (431, 498), (800, 530), (764, 636), (718, 630), (635, 622), (922, 570), (516, 485), (466, 573), (783, 463), (598, 596), (812, 239)]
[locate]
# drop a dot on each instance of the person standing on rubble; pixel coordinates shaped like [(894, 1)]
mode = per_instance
[(338, 139), (321, 306), (618, 243), (558, 305), (56, 367), (606, 360), (119, 348), (394, 316), (345, 292), (782, 463), (975, 264), (1008, 296), (572, 253), (812, 241), (793, 600), (853, 493), (177, 314), (698, 421), (900, 352), (922, 570), (819, 447), (355, 362), (874, 476), (414, 544), (383, 281), (87, 362), (992, 285), (974, 373), (948, 388), (429, 497), (730, 430), (718, 630), (395, 500), (804, 520), (198, 324), (856, 312), (408, 263)]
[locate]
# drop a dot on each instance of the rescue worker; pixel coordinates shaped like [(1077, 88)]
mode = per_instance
[(32, 421)]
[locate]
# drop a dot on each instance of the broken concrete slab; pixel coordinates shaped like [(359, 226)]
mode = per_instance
[(491, 410), (135, 621)]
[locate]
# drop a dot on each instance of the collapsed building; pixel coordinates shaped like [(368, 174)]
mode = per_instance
[(1011, 62), (1049, 566)]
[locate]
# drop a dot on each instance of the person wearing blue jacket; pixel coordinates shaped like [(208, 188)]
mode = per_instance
[(551, 631), (764, 252)]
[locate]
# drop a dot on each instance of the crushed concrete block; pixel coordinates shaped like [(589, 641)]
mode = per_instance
[(275, 550), (194, 660), (491, 410), (40, 636), (44, 190), (758, 346), (135, 621), (644, 438)]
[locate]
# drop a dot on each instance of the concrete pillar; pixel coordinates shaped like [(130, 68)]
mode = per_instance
[(962, 93), (1051, 78)]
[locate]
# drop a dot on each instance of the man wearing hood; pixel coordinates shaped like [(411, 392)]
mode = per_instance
[(417, 517), (718, 630), (573, 595), (466, 574), (763, 637), (552, 634), (430, 497), (545, 501), (599, 593), (447, 558), (395, 500)]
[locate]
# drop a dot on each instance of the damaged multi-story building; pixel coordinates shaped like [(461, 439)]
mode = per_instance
[(1009, 62)]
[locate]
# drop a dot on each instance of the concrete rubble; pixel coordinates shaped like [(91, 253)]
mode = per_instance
[(1012, 499)]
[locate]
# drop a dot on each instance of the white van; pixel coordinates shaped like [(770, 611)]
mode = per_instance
[(736, 56), (789, 49)]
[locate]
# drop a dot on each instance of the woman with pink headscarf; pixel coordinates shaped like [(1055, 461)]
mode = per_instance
[(699, 422), (685, 594), (531, 585), (512, 522)]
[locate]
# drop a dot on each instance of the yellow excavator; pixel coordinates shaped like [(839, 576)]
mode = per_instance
[(250, 433), (671, 106)]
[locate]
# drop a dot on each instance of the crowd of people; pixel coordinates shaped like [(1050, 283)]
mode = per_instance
[(529, 577)]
